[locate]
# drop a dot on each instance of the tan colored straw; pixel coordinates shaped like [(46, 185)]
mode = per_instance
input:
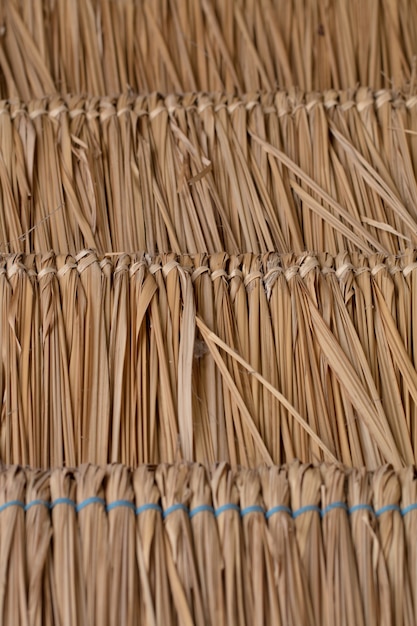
[(180, 543), (247, 359), (209, 45), (283, 171), (208, 322)]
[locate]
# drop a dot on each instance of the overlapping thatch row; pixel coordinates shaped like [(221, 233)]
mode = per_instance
[(245, 358), (107, 46), (177, 544), (199, 173)]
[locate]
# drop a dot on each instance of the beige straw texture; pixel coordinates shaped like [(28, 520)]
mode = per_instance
[(247, 359), (179, 544), (208, 312), (110, 46), (204, 173)]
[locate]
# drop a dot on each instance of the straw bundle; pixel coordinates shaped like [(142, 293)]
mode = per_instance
[(245, 359), (108, 46), (198, 173), (198, 288), (295, 544)]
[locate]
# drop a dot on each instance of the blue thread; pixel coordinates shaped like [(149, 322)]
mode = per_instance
[(121, 504), (408, 509), (63, 501), (209, 509), (148, 507), (333, 506), (7, 505), (255, 508), (310, 508), (226, 507), (387, 509), (204, 508), (361, 507), (278, 509), (173, 508), (29, 505), (88, 501)]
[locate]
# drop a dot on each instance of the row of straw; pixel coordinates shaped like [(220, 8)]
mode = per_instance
[(199, 173), (102, 46), (177, 544), (245, 359)]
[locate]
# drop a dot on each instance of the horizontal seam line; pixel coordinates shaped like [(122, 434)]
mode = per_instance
[(206, 508)]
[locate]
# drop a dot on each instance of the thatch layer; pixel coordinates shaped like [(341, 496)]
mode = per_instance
[(199, 173), (106, 46), (245, 359), (177, 544)]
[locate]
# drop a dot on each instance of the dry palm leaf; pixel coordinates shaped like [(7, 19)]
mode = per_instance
[(181, 46), (247, 359), (284, 171)]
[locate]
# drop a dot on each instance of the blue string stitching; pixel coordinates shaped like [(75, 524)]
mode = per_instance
[(333, 506), (409, 508), (386, 509), (361, 507), (88, 501), (173, 508), (310, 508), (226, 507), (148, 507), (63, 501), (278, 509), (252, 509), (7, 505), (121, 504), (29, 505), (205, 508)]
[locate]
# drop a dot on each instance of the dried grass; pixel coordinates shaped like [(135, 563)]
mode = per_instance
[(292, 544), (205, 173), (223, 274), (188, 45), (245, 359)]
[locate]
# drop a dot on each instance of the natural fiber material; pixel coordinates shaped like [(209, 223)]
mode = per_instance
[(246, 359), (197, 173), (177, 544), (108, 46), (233, 281)]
